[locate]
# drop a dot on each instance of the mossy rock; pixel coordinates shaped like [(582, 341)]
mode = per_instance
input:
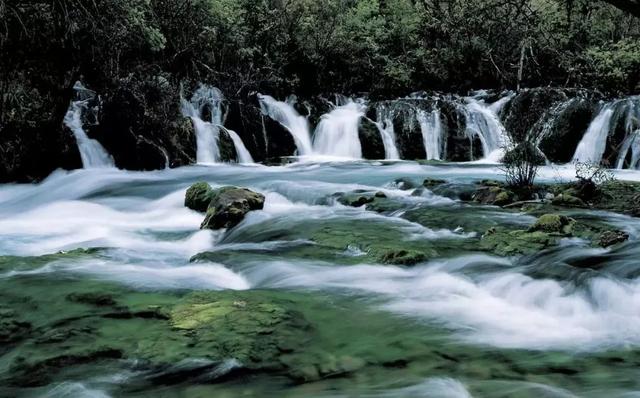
[(612, 238), (494, 195), (229, 205), (402, 257), (511, 243), (198, 196), (554, 224), (568, 200)]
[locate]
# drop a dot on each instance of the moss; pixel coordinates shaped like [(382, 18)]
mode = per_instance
[(511, 243), (198, 196), (229, 205), (554, 223)]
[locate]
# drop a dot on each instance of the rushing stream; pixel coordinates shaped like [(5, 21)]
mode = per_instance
[(463, 324)]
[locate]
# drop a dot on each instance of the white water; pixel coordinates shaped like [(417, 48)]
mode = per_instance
[(483, 122), (205, 98), (594, 143), (631, 143), (92, 153), (632, 140), (387, 133), (285, 114), (337, 132), (432, 133), (241, 151)]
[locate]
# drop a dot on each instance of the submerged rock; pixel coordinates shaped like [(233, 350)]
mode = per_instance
[(511, 243), (433, 182), (229, 205), (198, 196)]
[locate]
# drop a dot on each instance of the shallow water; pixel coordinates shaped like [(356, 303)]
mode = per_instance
[(463, 324)]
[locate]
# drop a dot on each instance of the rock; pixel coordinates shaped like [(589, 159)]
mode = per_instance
[(402, 257), (372, 145), (405, 184), (380, 194), (432, 182), (493, 195), (356, 200), (511, 243), (198, 196), (568, 200), (229, 206), (611, 238), (554, 224)]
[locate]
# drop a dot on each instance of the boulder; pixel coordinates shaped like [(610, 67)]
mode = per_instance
[(198, 196), (553, 224), (493, 195), (611, 238), (229, 206)]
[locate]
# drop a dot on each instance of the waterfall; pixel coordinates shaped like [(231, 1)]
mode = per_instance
[(631, 112), (92, 153), (384, 116), (206, 101), (337, 132), (285, 114), (594, 142), (432, 134), (483, 122), (205, 110), (241, 151)]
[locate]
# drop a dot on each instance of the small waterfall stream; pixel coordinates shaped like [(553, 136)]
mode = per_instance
[(206, 112), (483, 122), (244, 156), (285, 114), (337, 132), (385, 115), (206, 101), (432, 134), (92, 153), (593, 144), (619, 115)]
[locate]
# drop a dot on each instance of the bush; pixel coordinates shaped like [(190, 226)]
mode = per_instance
[(521, 165)]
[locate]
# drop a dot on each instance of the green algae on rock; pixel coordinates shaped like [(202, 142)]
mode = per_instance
[(198, 196), (229, 205)]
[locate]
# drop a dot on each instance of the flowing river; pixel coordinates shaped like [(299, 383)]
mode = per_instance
[(100, 322)]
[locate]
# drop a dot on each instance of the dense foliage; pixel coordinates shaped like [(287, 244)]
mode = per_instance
[(309, 46)]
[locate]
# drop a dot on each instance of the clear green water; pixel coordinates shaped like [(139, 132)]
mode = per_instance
[(101, 295)]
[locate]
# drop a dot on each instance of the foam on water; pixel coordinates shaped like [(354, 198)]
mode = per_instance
[(505, 308)]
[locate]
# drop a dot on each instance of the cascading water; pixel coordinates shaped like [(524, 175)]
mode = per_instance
[(205, 109), (632, 140), (432, 133), (205, 101), (244, 156), (594, 143), (337, 132), (92, 153), (285, 114), (385, 115), (483, 122)]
